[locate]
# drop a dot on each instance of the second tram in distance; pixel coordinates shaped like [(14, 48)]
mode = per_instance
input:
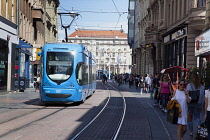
[(68, 73)]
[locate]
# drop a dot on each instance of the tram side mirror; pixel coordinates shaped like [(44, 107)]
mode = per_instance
[(39, 53)]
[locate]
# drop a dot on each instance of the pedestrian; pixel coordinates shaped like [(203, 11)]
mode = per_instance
[(131, 79), (137, 81), (207, 110), (148, 83), (37, 83), (182, 97), (165, 90), (159, 101), (155, 86), (141, 84), (104, 78), (195, 108)]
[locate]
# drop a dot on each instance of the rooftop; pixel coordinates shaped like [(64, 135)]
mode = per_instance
[(98, 34)]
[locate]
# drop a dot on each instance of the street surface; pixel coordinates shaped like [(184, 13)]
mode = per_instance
[(24, 117)]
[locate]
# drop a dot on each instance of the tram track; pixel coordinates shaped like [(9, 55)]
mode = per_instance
[(103, 123), (165, 128), (169, 136)]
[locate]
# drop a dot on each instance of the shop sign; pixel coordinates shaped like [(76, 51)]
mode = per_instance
[(202, 46), (179, 33), (150, 38), (167, 39)]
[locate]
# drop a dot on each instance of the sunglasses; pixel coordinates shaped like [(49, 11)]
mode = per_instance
[(181, 84)]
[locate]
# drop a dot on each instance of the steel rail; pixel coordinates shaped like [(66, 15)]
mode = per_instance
[(77, 135), (123, 115)]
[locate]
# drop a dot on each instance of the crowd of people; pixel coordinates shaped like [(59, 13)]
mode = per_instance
[(161, 91)]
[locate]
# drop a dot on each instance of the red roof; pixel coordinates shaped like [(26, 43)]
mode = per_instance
[(98, 34)]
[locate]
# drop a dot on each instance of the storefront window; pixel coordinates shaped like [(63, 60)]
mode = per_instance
[(3, 64), (22, 65)]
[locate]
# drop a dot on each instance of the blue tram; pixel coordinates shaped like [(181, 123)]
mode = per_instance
[(68, 73)]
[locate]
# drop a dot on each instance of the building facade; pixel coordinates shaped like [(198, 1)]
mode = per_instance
[(166, 36), (110, 49), (22, 29), (8, 42)]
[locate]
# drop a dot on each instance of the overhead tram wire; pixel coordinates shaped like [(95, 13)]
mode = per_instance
[(106, 12), (118, 13)]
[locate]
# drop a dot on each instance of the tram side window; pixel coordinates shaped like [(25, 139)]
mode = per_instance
[(85, 74), (90, 73), (79, 73), (82, 74)]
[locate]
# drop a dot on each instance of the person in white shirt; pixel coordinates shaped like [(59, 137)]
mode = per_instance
[(148, 83)]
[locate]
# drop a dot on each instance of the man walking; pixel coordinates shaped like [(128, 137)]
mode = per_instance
[(148, 83)]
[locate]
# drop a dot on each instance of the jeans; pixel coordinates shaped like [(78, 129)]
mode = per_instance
[(148, 88), (195, 110), (164, 98), (141, 90)]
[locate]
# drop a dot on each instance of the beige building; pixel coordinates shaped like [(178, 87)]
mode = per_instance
[(8, 42), (165, 32), (23, 28), (51, 18), (110, 48)]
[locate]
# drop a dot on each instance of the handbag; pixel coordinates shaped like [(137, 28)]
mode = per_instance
[(172, 115), (194, 95), (202, 133), (189, 117)]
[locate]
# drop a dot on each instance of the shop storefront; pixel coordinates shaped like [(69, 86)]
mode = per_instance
[(175, 45), (202, 49), (8, 43), (24, 68), (3, 63)]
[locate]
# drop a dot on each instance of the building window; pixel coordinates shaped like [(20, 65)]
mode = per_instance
[(200, 3)]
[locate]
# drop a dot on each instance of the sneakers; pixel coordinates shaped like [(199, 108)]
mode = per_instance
[(191, 133), (165, 110)]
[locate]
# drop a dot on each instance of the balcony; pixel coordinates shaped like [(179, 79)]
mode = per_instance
[(37, 14)]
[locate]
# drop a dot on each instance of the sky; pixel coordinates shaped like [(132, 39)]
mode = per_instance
[(94, 15)]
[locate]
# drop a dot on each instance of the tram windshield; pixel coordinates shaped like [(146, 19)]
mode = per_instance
[(59, 66)]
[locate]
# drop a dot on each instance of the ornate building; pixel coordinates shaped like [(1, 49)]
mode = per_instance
[(23, 28), (110, 48)]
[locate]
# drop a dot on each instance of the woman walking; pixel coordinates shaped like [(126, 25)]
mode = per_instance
[(165, 90), (182, 97), (195, 107)]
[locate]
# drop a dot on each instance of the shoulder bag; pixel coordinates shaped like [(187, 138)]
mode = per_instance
[(194, 94)]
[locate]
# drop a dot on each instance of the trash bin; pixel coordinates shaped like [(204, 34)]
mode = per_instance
[(22, 84)]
